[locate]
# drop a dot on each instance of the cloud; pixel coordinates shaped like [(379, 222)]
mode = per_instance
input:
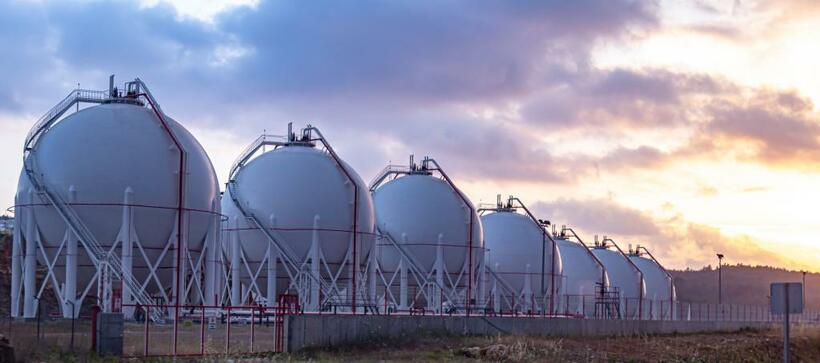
[(780, 125), (674, 240), (421, 52), (598, 215)]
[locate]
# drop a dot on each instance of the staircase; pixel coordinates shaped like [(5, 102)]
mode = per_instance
[(96, 252)]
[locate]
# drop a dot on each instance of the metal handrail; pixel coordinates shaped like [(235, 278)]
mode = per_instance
[(384, 173), (250, 150), (586, 248)]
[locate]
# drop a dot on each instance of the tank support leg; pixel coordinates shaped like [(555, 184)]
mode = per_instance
[(16, 268), (273, 255), (212, 254), (526, 293), (403, 278), (272, 276), (372, 280), (126, 238), (496, 296), (482, 286), (29, 304), (235, 282), (313, 304), (439, 266)]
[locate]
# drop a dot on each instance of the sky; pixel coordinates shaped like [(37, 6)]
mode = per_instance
[(689, 127)]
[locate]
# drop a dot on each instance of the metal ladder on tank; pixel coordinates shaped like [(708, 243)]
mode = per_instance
[(96, 252), (286, 253)]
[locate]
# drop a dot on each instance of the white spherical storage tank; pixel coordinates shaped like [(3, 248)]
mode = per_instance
[(583, 276), (305, 198), (660, 290), (111, 171), (624, 277), (435, 225), (520, 254)]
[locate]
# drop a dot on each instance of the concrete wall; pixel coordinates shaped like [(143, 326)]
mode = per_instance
[(304, 331)]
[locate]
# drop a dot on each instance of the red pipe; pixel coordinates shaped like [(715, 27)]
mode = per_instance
[(640, 273), (671, 282), (180, 208), (554, 252), (595, 258), (472, 212), (355, 210)]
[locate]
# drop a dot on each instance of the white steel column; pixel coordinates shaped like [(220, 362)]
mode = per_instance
[(16, 268), (236, 288), (273, 255), (313, 303), (526, 292), (70, 310), (482, 287), (439, 266), (372, 276), (29, 306), (272, 276), (403, 277), (496, 296), (212, 255), (126, 234)]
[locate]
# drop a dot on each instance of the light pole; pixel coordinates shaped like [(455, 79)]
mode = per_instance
[(720, 278)]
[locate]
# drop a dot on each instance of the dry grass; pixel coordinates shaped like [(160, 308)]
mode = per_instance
[(744, 346)]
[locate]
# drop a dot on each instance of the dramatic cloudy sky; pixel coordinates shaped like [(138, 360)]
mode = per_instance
[(687, 126)]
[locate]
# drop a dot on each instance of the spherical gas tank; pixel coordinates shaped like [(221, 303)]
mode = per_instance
[(517, 250), (103, 158), (300, 193), (422, 212), (624, 277), (582, 272), (660, 291)]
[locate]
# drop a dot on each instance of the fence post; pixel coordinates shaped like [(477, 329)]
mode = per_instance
[(73, 318), (228, 334), (147, 319), (253, 326), (202, 329), (94, 311), (39, 317)]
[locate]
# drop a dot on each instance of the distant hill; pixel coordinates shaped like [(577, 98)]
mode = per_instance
[(742, 284)]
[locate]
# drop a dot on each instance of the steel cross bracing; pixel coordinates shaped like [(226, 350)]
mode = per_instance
[(96, 252), (418, 271)]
